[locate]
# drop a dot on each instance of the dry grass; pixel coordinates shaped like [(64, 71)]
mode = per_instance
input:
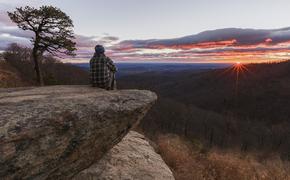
[(190, 162)]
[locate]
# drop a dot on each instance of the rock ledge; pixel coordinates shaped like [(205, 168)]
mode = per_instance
[(133, 158), (55, 132)]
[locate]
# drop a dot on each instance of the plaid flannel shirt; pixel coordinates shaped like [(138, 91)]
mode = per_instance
[(100, 71)]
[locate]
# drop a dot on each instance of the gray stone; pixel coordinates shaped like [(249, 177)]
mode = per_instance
[(132, 159), (55, 132)]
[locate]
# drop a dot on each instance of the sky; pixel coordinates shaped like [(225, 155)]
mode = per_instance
[(169, 30)]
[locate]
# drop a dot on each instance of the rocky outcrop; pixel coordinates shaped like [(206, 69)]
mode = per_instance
[(133, 158), (56, 132)]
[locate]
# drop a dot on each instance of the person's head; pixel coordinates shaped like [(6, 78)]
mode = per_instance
[(99, 49)]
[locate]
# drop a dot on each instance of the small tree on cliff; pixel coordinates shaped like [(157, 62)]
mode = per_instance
[(53, 32)]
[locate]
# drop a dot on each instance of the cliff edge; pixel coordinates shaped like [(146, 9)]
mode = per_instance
[(55, 132)]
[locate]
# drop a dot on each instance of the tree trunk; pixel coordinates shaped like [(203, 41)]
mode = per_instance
[(37, 67)]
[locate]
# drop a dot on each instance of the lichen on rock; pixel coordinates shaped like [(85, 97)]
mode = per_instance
[(55, 132)]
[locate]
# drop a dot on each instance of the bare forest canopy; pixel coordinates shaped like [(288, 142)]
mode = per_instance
[(249, 112)]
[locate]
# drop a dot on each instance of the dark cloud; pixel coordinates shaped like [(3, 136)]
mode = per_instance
[(220, 37), (216, 45), (110, 38)]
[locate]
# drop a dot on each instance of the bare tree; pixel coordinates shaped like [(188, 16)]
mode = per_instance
[(53, 32)]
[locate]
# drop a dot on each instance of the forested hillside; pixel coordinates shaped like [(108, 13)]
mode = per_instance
[(245, 108), (17, 69), (221, 124)]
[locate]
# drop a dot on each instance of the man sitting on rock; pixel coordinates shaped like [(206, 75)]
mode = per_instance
[(102, 70)]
